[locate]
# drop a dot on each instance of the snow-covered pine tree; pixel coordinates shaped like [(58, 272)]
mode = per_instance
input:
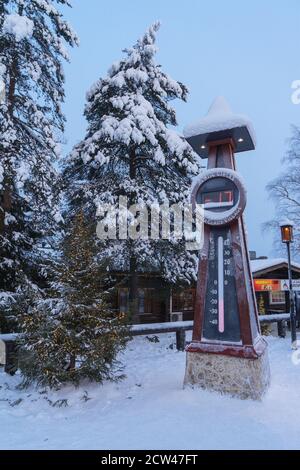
[(75, 335), (130, 150), (33, 35)]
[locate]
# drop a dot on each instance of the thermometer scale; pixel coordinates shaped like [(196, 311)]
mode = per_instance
[(221, 284), (221, 320)]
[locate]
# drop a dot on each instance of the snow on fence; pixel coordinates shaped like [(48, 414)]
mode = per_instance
[(181, 327), (8, 349), (178, 327), (9, 353)]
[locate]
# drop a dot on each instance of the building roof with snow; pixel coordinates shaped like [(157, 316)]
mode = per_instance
[(220, 123), (263, 266)]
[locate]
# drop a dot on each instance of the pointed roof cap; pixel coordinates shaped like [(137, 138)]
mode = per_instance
[(219, 106), (221, 123)]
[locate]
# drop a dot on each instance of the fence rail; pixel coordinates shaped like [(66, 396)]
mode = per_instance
[(180, 328)]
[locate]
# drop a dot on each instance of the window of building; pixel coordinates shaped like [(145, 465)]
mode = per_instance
[(277, 297), (183, 300), (123, 300), (146, 298)]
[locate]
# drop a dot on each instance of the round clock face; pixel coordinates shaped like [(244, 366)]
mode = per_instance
[(222, 195)]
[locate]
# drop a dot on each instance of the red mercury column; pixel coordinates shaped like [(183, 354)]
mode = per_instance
[(227, 352)]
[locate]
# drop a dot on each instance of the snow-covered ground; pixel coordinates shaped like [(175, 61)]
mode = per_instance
[(150, 409)]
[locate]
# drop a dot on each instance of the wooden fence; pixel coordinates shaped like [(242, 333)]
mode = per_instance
[(180, 328)]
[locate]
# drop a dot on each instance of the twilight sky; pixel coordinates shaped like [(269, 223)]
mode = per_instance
[(246, 51)]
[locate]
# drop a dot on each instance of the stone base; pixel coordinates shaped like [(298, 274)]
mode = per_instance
[(238, 377)]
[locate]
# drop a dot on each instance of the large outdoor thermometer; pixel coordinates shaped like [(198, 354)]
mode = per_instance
[(222, 195), (225, 313), (227, 352)]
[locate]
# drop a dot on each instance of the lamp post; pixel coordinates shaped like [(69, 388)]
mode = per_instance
[(287, 238)]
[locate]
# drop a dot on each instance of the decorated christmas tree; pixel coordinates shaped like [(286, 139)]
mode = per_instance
[(76, 334)]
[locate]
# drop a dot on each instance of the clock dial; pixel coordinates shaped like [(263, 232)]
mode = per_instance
[(221, 194), (218, 194), (218, 199)]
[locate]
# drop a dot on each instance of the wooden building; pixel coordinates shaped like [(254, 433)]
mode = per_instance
[(158, 302), (271, 285)]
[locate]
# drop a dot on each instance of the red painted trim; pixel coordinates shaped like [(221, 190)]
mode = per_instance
[(201, 287), (242, 351)]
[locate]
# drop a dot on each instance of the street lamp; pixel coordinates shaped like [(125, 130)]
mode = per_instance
[(287, 238), (287, 235)]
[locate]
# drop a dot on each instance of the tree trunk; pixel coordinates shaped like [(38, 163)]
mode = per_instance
[(6, 204), (133, 291), (6, 199), (72, 363), (12, 88), (133, 276)]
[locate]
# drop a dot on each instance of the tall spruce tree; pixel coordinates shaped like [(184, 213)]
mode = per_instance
[(74, 334), (33, 35), (129, 150)]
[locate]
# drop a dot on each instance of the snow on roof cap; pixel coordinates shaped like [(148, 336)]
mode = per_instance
[(286, 221), (219, 118)]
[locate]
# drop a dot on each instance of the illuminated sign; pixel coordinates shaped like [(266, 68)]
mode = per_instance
[(267, 285), (218, 199), (261, 285)]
